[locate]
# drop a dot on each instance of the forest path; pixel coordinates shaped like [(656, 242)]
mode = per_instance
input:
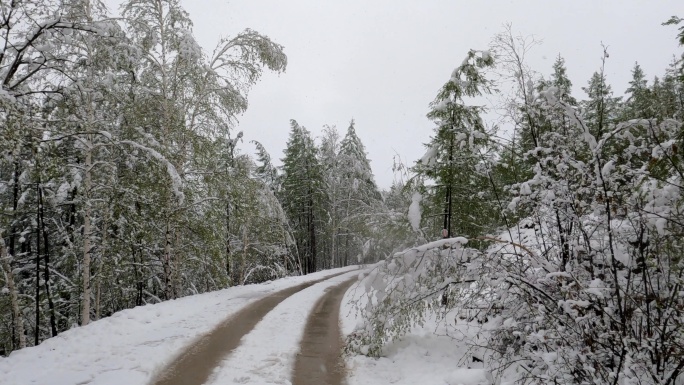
[(319, 361), (196, 364)]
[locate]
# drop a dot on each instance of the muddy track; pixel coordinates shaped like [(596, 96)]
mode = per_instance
[(195, 365), (319, 361)]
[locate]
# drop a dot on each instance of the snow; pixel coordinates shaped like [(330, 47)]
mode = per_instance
[(426, 355), (608, 168), (525, 189), (176, 181), (131, 346), (430, 157), (462, 376), (267, 354), (414, 211)]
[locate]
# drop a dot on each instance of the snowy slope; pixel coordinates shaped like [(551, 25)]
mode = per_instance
[(132, 345)]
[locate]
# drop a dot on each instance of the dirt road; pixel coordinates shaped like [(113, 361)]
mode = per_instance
[(319, 361), (195, 365)]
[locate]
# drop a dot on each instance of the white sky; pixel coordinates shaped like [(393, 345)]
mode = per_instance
[(381, 62)]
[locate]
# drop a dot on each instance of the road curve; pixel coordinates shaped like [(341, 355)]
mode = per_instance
[(195, 365)]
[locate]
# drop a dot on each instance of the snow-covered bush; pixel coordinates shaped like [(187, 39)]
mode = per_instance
[(587, 288), (406, 285)]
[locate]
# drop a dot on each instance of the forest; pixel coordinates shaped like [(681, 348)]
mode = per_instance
[(552, 217), (122, 180)]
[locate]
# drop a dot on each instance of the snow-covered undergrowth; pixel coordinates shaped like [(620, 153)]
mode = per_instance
[(534, 310), (131, 346), (437, 352), (401, 289), (583, 282)]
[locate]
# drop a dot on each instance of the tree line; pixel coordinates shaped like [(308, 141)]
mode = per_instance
[(123, 181)]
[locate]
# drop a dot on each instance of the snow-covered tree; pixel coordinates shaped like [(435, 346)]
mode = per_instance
[(457, 155), (359, 201), (117, 132), (601, 107), (303, 195), (584, 286), (638, 102)]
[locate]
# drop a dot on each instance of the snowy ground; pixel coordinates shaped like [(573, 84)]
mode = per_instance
[(434, 354), (267, 354), (131, 346)]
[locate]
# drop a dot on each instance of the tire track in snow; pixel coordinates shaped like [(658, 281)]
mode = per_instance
[(319, 361), (268, 353), (196, 363)]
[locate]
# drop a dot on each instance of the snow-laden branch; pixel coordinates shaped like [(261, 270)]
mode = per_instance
[(176, 181)]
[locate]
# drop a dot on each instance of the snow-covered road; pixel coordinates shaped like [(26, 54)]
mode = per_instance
[(132, 346), (267, 354)]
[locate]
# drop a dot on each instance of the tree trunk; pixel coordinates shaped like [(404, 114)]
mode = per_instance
[(447, 213), (98, 283), (346, 248), (228, 243), (85, 315), (36, 331), (243, 261), (15, 201), (46, 260), (168, 262), (312, 236), (333, 254), (450, 182), (14, 297)]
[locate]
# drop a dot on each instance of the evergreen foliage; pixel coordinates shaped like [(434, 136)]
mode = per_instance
[(581, 281)]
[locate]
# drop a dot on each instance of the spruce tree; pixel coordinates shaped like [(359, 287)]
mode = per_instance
[(601, 107), (360, 198), (303, 195), (332, 175), (456, 152), (638, 104)]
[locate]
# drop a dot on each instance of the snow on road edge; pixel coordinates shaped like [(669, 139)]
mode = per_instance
[(131, 346)]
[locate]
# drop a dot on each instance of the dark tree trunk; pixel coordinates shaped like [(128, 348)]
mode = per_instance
[(15, 202), (313, 241), (346, 249), (36, 334), (46, 260), (138, 280), (449, 200), (228, 243)]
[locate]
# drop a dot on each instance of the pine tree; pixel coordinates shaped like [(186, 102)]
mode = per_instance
[(329, 154), (669, 93), (265, 170), (360, 199), (457, 151), (303, 195), (638, 104), (601, 107)]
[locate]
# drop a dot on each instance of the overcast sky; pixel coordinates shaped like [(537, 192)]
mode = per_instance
[(381, 62)]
